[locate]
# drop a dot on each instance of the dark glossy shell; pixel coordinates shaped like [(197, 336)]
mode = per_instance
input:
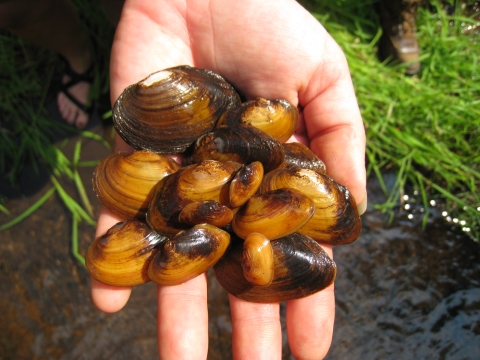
[(273, 213), (188, 254), (301, 268), (336, 220), (121, 257), (123, 182), (170, 109), (299, 155), (240, 143), (209, 212), (208, 180), (278, 118)]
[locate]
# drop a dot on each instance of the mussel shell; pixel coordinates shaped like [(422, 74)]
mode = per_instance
[(274, 213), (299, 155), (257, 260), (278, 117), (245, 183), (123, 182), (240, 143), (170, 109), (121, 257), (301, 268), (336, 220), (208, 180), (209, 212), (188, 254)]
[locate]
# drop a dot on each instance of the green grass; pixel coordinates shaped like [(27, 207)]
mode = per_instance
[(424, 127)]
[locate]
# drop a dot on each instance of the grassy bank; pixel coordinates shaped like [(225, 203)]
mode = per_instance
[(424, 127)]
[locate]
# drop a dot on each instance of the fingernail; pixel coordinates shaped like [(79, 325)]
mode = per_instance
[(362, 207)]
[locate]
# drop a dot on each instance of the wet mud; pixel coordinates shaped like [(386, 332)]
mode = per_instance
[(401, 292)]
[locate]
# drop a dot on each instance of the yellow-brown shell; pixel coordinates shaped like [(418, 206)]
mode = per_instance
[(170, 109), (278, 117), (208, 180), (336, 220), (123, 182), (245, 183), (121, 257), (274, 213), (257, 260)]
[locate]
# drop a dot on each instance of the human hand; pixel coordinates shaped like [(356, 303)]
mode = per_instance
[(271, 49)]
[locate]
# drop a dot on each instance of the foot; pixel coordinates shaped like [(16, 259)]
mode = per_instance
[(76, 112)]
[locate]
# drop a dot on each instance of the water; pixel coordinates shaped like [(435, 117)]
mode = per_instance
[(402, 292)]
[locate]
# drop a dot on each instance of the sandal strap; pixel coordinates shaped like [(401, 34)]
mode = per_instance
[(76, 78)]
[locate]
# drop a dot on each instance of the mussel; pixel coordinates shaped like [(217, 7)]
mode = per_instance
[(257, 260), (170, 109), (336, 220), (274, 213), (245, 183), (240, 143), (208, 180), (278, 117), (123, 182), (121, 257), (188, 254), (298, 155), (301, 268)]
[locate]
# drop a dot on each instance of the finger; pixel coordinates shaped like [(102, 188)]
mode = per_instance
[(256, 332), (334, 124), (107, 298), (310, 323), (183, 320)]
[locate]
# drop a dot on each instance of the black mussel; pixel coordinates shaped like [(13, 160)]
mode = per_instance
[(170, 109), (240, 143), (188, 254), (301, 268)]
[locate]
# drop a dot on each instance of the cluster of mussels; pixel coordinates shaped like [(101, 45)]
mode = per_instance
[(243, 201)]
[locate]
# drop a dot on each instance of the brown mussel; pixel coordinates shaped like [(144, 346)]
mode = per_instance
[(274, 213), (208, 211), (336, 220), (170, 109), (208, 180), (240, 143), (121, 257), (299, 155), (257, 260), (123, 182), (301, 268), (278, 118), (245, 183), (188, 254)]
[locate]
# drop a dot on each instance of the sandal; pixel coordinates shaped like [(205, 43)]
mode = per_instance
[(75, 78)]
